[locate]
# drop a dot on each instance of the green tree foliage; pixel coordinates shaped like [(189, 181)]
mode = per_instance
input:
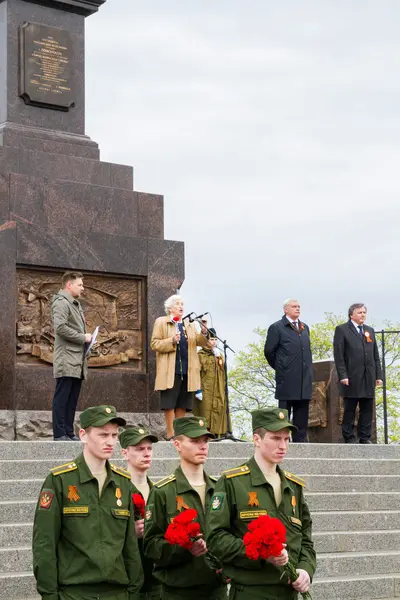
[(252, 381)]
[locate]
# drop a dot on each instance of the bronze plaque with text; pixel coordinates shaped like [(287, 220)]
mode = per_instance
[(46, 66)]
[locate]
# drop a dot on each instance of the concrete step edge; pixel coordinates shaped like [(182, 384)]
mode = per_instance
[(324, 580), (358, 554)]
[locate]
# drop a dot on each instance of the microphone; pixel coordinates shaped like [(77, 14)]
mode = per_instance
[(202, 315), (187, 317)]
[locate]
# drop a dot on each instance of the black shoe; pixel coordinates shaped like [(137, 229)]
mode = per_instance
[(73, 438), (350, 441), (365, 442), (63, 438)]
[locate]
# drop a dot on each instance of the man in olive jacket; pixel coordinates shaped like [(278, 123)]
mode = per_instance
[(69, 362), (183, 573), (257, 488), (84, 541)]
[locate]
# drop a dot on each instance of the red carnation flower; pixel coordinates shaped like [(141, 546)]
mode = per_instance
[(139, 505)]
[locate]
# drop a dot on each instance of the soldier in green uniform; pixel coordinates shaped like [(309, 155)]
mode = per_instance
[(84, 540), (257, 488), (183, 573), (137, 449)]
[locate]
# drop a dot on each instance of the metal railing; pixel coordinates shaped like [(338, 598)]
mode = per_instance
[(384, 333)]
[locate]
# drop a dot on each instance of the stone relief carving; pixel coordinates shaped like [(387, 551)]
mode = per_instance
[(112, 303)]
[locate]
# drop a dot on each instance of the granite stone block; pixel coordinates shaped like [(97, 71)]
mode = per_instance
[(151, 215), (8, 313)]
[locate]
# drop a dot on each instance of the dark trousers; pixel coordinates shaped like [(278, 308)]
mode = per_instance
[(64, 405), (300, 417), (364, 427)]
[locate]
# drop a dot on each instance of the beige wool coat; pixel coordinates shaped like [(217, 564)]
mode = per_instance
[(161, 341), (69, 331)]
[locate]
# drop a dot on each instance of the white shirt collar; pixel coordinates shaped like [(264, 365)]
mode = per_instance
[(292, 320), (356, 325)]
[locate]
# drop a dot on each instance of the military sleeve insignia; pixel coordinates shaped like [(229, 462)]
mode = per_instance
[(217, 501), (45, 499), (73, 495), (253, 500), (149, 513)]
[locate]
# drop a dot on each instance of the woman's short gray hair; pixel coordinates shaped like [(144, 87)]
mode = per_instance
[(170, 302)]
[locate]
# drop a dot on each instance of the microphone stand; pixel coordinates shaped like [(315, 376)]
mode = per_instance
[(229, 434)]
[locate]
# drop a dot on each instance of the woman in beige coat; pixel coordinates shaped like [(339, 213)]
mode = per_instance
[(178, 367)]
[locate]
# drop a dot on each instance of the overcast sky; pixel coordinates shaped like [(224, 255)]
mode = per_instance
[(272, 129)]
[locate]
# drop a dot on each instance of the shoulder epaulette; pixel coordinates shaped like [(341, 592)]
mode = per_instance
[(66, 468), (165, 480), (213, 478), (243, 470), (294, 478), (120, 471)]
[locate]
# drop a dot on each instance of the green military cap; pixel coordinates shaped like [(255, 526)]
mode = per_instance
[(134, 435), (97, 416), (193, 427), (271, 419)]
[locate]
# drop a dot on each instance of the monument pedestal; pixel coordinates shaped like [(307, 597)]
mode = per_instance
[(326, 408), (61, 208)]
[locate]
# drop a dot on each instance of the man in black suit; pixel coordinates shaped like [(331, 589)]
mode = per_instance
[(288, 351), (359, 371)]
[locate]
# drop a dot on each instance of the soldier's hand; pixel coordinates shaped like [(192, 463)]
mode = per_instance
[(139, 525), (88, 338), (279, 561), (303, 582), (379, 382), (199, 548), (344, 381)]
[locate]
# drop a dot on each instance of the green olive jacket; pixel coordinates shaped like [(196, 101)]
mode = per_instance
[(83, 541), (176, 567), (243, 494)]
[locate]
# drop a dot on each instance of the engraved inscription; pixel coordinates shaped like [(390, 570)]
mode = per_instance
[(112, 303), (46, 74)]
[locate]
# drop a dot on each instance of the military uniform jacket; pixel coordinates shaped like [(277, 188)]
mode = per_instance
[(174, 566), (150, 583), (83, 540), (243, 494)]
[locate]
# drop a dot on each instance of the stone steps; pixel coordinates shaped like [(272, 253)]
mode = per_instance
[(21, 586), (19, 559), (353, 493)]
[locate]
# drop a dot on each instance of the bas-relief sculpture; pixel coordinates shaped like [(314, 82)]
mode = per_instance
[(110, 303)]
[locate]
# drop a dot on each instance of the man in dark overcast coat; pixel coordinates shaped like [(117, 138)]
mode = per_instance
[(359, 372), (288, 351)]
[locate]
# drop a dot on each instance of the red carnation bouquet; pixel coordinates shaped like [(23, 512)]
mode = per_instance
[(265, 538), (184, 530), (139, 505)]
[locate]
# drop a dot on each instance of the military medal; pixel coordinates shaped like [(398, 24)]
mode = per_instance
[(118, 495), (253, 500), (294, 504)]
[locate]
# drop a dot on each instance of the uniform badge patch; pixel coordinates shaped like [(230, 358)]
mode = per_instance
[(253, 500), (45, 499), (217, 501), (73, 495), (148, 514)]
